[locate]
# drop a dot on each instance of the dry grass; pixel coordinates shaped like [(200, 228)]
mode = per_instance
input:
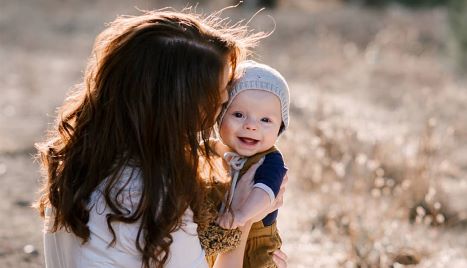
[(377, 143), (375, 146), (371, 199)]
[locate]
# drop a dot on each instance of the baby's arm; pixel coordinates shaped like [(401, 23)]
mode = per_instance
[(258, 200)]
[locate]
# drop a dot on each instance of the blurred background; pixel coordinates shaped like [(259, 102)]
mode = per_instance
[(377, 147)]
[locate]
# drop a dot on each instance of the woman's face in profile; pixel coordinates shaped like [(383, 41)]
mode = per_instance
[(224, 98), (224, 92)]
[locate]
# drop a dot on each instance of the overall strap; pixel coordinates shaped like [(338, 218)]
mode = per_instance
[(254, 159), (236, 163)]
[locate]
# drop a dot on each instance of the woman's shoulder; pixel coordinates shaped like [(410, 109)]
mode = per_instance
[(128, 178), (126, 189)]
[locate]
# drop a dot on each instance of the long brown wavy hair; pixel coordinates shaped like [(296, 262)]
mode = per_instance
[(150, 93)]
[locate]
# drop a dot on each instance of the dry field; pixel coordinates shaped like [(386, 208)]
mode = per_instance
[(376, 148)]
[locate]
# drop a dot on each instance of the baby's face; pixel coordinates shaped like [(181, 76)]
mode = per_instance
[(252, 121)]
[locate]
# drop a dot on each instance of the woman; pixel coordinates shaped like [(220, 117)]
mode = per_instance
[(122, 187)]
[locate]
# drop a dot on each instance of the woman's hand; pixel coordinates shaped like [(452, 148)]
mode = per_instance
[(228, 221), (243, 190), (244, 186)]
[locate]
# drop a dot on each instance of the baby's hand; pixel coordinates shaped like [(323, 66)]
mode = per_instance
[(227, 221)]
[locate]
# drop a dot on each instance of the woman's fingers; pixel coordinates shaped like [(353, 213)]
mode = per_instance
[(245, 186), (279, 202), (285, 181), (280, 258), (280, 196)]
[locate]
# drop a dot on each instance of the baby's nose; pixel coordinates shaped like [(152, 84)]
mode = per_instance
[(250, 124)]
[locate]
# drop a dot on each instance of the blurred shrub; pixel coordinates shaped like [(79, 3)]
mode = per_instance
[(457, 16), (411, 3)]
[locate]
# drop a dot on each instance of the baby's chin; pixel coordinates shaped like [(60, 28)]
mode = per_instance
[(246, 153)]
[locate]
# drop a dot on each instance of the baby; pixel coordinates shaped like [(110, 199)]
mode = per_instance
[(256, 115)]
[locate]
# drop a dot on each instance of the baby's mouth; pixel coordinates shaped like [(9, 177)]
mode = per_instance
[(248, 141)]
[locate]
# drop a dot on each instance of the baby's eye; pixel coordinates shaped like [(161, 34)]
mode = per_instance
[(238, 114), (266, 120)]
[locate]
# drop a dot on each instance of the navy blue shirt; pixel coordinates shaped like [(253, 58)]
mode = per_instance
[(271, 173)]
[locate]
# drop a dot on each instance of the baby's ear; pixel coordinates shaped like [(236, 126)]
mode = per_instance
[(281, 129)]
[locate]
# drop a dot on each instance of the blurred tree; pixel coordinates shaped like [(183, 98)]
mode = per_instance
[(254, 4), (457, 16), (373, 3), (268, 3), (411, 3)]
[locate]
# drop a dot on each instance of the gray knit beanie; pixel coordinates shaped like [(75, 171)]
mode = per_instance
[(254, 75)]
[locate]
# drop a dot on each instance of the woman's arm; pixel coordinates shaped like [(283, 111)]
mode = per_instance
[(234, 258), (258, 200)]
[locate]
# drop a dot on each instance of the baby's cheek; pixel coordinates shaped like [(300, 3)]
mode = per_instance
[(225, 132)]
